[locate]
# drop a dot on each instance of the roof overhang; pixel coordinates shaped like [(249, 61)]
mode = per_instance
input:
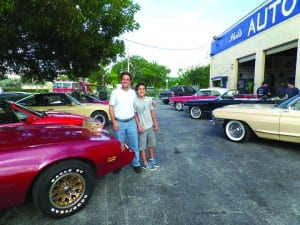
[(219, 77)]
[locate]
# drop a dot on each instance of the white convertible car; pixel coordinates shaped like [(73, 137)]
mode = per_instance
[(280, 122)]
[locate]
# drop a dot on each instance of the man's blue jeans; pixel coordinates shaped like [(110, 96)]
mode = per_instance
[(128, 133)]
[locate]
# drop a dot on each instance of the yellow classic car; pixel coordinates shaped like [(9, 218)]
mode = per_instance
[(276, 122), (63, 102)]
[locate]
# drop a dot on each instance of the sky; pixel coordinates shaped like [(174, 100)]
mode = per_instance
[(178, 34)]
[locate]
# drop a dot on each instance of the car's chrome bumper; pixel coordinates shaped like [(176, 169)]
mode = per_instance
[(164, 98), (217, 123)]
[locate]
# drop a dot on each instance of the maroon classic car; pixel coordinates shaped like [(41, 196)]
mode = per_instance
[(56, 165), (207, 93)]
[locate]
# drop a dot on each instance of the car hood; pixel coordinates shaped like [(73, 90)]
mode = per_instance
[(36, 135), (250, 106), (62, 118), (242, 110)]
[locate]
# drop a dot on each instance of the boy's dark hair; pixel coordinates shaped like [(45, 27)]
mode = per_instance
[(125, 73), (140, 84)]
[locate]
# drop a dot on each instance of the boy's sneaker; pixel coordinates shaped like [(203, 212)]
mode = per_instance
[(154, 163), (149, 166)]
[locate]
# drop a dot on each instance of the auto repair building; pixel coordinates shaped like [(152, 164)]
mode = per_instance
[(262, 46)]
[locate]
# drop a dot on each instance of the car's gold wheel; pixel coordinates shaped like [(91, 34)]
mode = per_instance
[(67, 190), (63, 188)]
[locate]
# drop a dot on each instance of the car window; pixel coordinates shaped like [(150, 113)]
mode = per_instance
[(178, 89), (215, 93), (189, 89), (57, 100), (204, 93), (7, 115), (42, 100)]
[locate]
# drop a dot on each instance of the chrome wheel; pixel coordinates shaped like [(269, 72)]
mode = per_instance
[(237, 131), (100, 116), (196, 112)]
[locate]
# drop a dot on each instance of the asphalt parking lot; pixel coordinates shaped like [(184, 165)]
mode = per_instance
[(203, 179)]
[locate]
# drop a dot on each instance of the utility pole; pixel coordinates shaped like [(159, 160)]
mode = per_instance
[(128, 61)]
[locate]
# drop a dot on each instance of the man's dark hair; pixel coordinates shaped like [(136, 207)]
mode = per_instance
[(140, 84), (125, 73), (291, 81)]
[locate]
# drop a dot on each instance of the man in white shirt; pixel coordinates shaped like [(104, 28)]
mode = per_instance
[(122, 113)]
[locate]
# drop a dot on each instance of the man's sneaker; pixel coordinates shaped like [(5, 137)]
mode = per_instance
[(137, 169), (153, 162), (149, 166)]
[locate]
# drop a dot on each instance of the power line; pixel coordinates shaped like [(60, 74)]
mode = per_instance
[(163, 48)]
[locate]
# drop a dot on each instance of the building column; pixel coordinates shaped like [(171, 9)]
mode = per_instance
[(259, 72), (297, 75), (234, 74)]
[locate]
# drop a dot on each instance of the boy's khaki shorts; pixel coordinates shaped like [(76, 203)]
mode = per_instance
[(147, 139)]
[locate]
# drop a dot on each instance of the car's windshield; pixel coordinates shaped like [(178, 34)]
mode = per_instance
[(288, 102), (229, 93), (91, 98), (74, 100), (47, 99)]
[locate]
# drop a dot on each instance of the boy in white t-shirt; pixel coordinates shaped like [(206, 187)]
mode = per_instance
[(147, 126)]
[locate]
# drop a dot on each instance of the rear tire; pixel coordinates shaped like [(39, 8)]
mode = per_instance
[(178, 106), (237, 131), (63, 189)]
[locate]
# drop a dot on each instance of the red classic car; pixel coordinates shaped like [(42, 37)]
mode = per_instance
[(208, 93), (56, 165), (12, 114)]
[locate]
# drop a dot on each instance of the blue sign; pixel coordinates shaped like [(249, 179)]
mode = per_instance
[(265, 17)]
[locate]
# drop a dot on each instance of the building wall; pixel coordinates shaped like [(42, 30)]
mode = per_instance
[(226, 62)]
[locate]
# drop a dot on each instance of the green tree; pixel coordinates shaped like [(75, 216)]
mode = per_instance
[(196, 76), (39, 38), (141, 70), (99, 79)]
